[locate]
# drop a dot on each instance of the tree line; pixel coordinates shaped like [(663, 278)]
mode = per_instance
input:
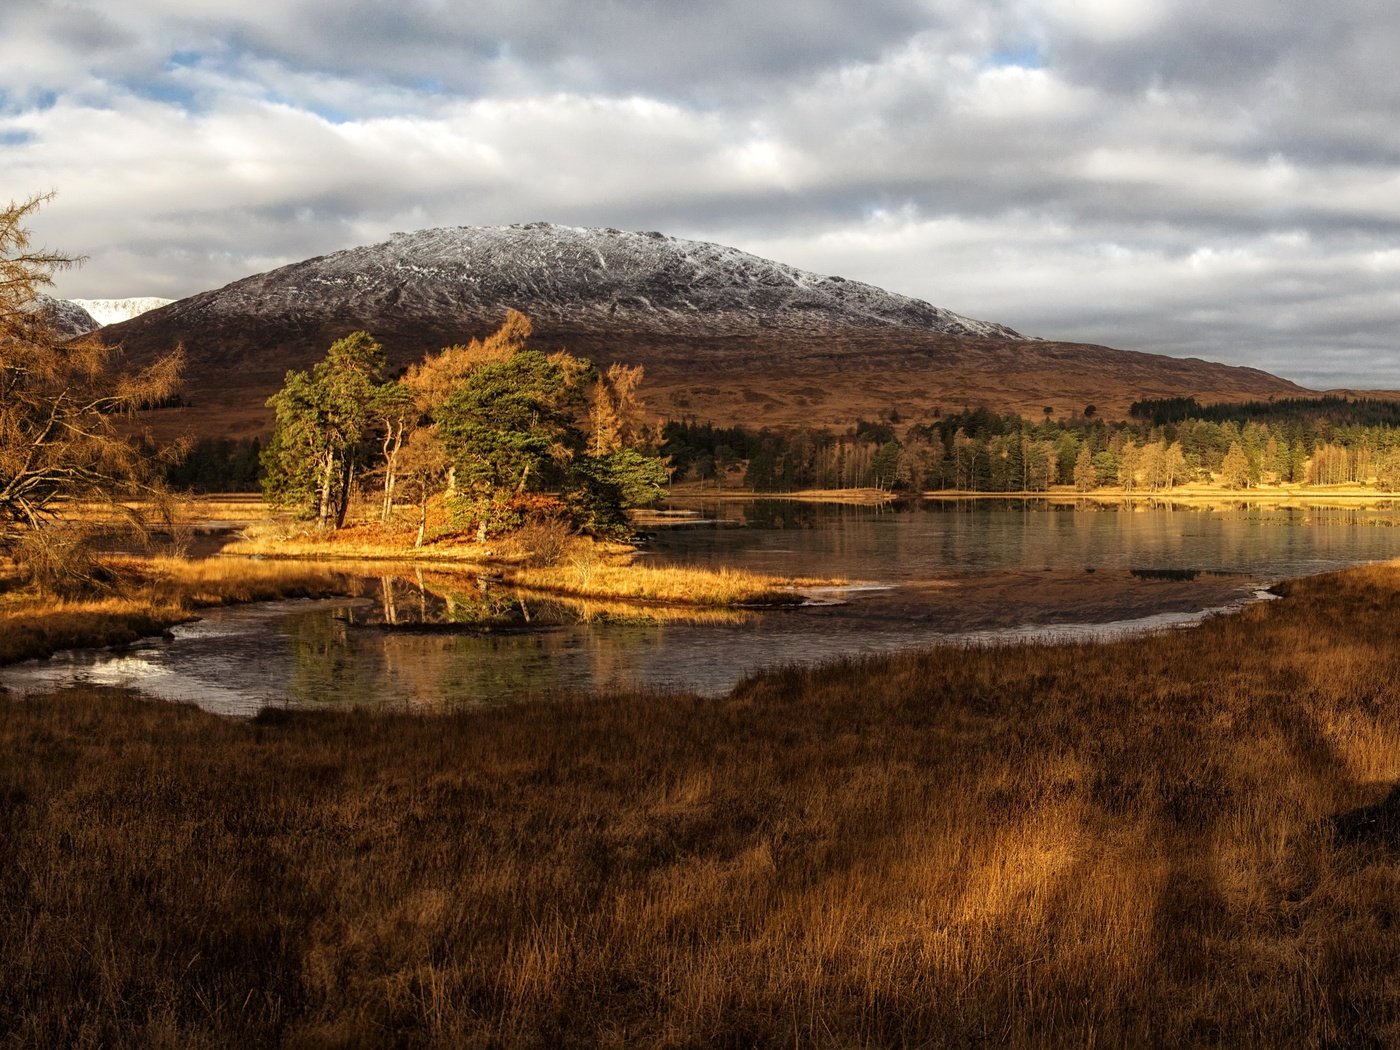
[(1317, 442)]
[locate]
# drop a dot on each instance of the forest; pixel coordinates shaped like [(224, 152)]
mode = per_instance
[(1323, 441)]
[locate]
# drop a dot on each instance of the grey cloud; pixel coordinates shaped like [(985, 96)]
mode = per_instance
[(1179, 176)]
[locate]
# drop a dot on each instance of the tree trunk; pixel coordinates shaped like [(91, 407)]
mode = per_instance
[(393, 441), (327, 475), (343, 499)]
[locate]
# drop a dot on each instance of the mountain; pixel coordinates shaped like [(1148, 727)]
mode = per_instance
[(723, 334), (114, 311), (66, 318)]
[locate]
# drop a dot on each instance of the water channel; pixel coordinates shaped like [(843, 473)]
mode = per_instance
[(919, 574)]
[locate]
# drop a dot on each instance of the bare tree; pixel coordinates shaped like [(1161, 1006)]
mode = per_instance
[(61, 403)]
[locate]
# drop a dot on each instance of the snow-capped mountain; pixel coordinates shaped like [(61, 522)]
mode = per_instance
[(723, 334), (454, 280), (114, 311)]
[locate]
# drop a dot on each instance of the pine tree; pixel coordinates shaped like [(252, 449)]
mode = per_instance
[(325, 426)]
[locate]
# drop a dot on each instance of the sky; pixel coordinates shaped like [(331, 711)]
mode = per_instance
[(1187, 177)]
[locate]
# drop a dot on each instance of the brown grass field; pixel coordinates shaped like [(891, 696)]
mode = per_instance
[(1104, 845)]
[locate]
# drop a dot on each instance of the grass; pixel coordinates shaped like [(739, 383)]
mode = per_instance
[(157, 593), (1114, 845), (578, 567), (586, 575)]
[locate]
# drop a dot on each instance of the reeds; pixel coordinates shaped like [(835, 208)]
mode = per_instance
[(1090, 845)]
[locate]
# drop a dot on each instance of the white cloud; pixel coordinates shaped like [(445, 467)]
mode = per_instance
[(1213, 179)]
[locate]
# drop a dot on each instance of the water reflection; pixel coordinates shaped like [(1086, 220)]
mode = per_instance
[(972, 572)]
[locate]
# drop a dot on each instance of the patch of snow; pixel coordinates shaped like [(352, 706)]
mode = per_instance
[(113, 311)]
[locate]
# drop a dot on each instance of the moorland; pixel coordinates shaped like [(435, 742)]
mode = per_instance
[(1181, 838)]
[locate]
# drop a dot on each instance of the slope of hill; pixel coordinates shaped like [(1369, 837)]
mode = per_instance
[(65, 317), (723, 334)]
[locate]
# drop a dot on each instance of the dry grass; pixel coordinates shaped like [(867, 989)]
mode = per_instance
[(156, 594), (1117, 845), (585, 574), (582, 568), (357, 542)]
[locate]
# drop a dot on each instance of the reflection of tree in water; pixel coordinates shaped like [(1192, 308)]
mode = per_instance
[(328, 668), (785, 514), (434, 641), (419, 600)]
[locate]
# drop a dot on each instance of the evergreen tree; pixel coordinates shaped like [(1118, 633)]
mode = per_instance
[(325, 425)]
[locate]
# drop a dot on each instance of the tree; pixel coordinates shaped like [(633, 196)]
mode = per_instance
[(60, 404), (601, 488), (324, 429), (1086, 477), (1234, 469), (1388, 471), (1128, 457), (614, 417)]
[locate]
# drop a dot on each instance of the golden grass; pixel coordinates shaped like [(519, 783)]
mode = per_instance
[(1095, 845), (156, 594), (583, 568), (586, 575), (354, 543)]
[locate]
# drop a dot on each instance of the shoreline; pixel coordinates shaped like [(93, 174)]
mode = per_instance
[(1345, 496)]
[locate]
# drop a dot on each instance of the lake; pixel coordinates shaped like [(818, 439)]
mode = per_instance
[(918, 575)]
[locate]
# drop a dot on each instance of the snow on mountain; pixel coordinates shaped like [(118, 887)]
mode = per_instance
[(568, 278), (114, 311), (66, 317)]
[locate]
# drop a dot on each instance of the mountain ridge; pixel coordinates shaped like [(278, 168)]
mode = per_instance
[(722, 333)]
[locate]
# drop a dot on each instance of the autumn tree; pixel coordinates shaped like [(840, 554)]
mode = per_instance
[(1234, 469), (62, 406), (1086, 477), (1388, 471)]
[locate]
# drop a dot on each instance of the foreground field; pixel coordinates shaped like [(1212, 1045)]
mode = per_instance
[(1129, 845)]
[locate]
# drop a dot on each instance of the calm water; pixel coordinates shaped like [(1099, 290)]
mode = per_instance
[(921, 576)]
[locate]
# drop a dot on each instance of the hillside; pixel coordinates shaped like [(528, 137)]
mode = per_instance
[(723, 334)]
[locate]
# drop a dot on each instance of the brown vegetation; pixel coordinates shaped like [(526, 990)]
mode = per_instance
[(562, 564), (153, 595), (1128, 844)]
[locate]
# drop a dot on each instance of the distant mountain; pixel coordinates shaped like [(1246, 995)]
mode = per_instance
[(723, 334), (114, 311), (66, 317)]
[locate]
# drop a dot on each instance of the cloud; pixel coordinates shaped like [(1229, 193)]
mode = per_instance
[(1185, 177)]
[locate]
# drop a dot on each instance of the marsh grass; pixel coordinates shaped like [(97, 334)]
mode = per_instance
[(576, 567), (149, 595), (1089, 845), (586, 575)]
